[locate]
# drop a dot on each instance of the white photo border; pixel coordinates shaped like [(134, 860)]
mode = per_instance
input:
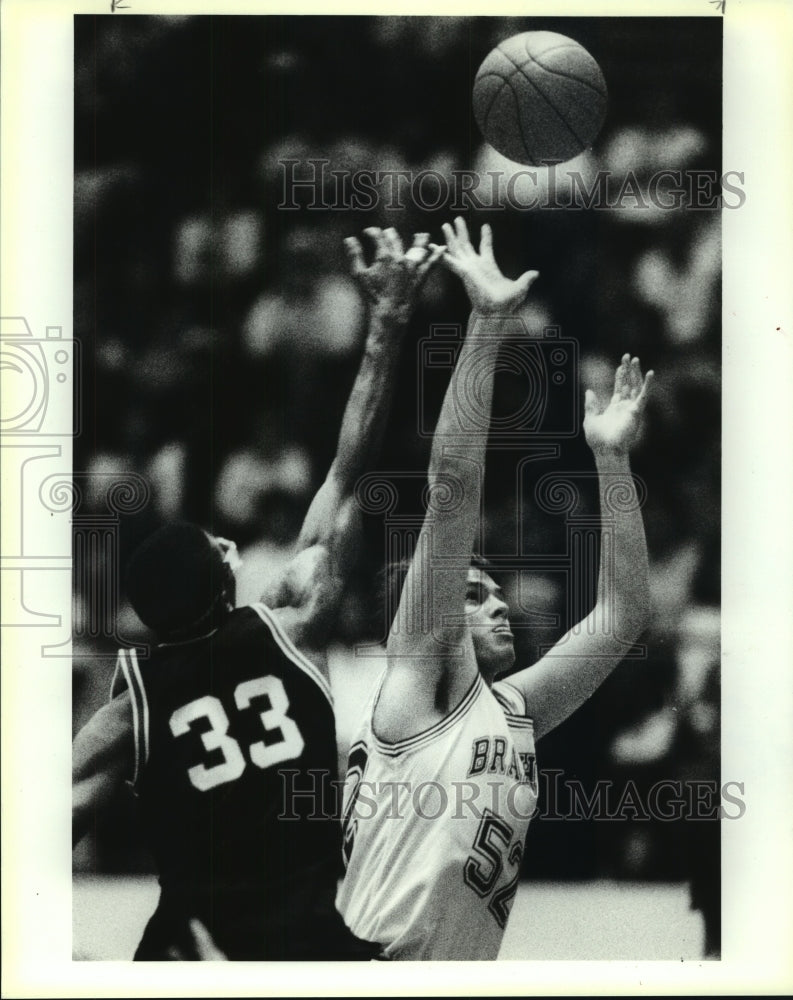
[(757, 726)]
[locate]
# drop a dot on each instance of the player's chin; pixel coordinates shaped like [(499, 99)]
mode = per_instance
[(503, 644), (495, 651)]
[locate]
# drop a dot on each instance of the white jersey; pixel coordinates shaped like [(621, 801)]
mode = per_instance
[(434, 827)]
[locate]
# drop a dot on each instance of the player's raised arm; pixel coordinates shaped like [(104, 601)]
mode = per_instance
[(431, 656), (308, 594), (102, 758), (582, 659)]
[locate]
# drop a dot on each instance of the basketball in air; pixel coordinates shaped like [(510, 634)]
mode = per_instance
[(539, 96)]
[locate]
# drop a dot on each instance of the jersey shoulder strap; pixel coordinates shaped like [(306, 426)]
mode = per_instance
[(127, 666), (510, 699), (420, 740), (291, 651)]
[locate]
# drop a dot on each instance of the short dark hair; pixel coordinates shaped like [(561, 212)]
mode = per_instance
[(392, 580), (175, 578)]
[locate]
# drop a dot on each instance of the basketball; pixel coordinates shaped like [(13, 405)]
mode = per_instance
[(539, 96)]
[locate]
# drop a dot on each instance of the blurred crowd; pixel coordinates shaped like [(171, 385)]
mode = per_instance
[(221, 335)]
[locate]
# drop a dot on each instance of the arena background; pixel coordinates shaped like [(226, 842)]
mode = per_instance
[(220, 336)]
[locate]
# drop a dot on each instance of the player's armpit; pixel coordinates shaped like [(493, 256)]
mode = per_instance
[(309, 597), (429, 674), (103, 757), (431, 662), (327, 548)]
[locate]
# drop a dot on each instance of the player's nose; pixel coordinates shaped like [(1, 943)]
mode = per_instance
[(499, 607)]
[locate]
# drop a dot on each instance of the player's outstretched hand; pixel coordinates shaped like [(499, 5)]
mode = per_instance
[(393, 280), (615, 429), (489, 291)]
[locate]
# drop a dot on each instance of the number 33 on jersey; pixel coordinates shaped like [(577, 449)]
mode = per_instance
[(235, 765), (227, 711), (207, 717)]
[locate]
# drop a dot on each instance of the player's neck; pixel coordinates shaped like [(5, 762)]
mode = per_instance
[(491, 671), (489, 674), (199, 630)]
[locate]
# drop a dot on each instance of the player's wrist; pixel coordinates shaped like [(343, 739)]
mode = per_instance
[(493, 322), (611, 458), (389, 314)]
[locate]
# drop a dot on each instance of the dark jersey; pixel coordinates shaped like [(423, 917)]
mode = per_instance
[(230, 729)]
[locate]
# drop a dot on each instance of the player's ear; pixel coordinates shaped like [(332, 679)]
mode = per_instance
[(229, 588)]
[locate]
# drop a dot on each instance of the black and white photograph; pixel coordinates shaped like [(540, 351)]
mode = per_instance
[(386, 524)]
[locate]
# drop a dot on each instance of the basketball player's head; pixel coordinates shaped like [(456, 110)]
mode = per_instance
[(486, 612), (181, 581), (487, 615)]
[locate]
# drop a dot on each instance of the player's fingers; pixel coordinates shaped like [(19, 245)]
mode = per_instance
[(355, 255), (641, 399), (635, 377), (451, 238), (591, 405), (621, 377), (418, 251), (435, 255), (461, 229), (393, 242), (376, 235), (525, 281), (486, 242), (453, 263)]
